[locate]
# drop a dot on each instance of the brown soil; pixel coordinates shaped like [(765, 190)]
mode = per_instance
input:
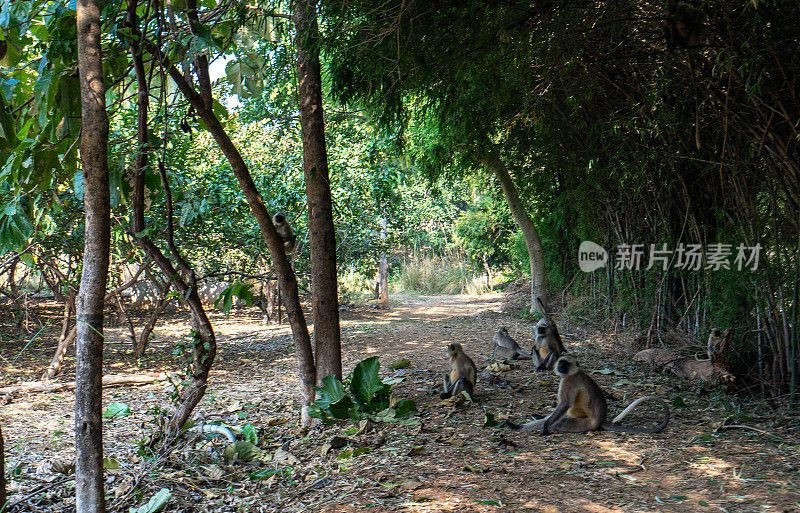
[(443, 460)]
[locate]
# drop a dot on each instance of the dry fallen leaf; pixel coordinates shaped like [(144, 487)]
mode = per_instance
[(410, 484), (282, 457)]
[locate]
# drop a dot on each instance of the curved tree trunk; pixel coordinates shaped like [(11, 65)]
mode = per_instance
[(287, 280), (160, 306), (204, 348), (529, 232), (89, 496), (322, 234)]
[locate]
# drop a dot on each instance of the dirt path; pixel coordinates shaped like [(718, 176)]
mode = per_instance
[(443, 461)]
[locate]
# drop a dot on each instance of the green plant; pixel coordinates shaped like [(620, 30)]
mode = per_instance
[(369, 397)]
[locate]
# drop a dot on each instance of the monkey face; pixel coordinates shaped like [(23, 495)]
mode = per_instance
[(716, 332), (542, 330), (453, 348), (279, 218), (566, 365)]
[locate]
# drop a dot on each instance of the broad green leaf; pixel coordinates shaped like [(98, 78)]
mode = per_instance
[(344, 408), (405, 408), (116, 410), (366, 383), (242, 450), (331, 391), (155, 504), (249, 433)]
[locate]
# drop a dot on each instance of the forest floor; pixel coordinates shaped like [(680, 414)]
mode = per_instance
[(443, 460)]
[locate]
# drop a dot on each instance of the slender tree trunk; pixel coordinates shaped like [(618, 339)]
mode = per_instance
[(2, 474), (64, 340), (383, 271), (489, 272), (322, 235), (89, 497), (12, 280), (287, 280), (204, 347), (529, 232), (144, 336)]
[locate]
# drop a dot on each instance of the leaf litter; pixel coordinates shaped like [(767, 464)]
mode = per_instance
[(452, 457)]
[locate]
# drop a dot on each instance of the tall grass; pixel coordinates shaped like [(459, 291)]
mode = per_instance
[(448, 274)]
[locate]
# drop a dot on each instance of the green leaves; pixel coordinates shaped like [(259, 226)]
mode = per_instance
[(236, 290), (371, 397), (156, 503), (242, 450), (367, 387), (15, 228), (116, 410)]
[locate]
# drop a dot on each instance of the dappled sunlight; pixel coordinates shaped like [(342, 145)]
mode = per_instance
[(454, 464)]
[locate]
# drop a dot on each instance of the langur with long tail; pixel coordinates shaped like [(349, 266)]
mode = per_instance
[(582, 406)]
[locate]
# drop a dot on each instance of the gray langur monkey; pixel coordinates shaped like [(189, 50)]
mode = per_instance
[(508, 346), (547, 345), (714, 338), (285, 232), (463, 373), (582, 407)]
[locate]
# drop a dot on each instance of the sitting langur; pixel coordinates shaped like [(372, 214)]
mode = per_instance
[(582, 407), (507, 346), (463, 373), (547, 345), (285, 232), (714, 338)]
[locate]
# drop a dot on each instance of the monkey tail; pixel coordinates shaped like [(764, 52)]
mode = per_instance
[(214, 429), (541, 305), (613, 426)]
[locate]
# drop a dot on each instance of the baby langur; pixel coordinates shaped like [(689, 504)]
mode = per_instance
[(508, 346), (547, 345), (463, 373), (582, 407), (285, 232)]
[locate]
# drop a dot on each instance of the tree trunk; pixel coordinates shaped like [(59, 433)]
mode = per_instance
[(204, 346), (64, 340), (322, 235), (12, 280), (489, 272), (144, 336), (2, 474), (529, 232), (89, 495), (383, 271), (286, 277)]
